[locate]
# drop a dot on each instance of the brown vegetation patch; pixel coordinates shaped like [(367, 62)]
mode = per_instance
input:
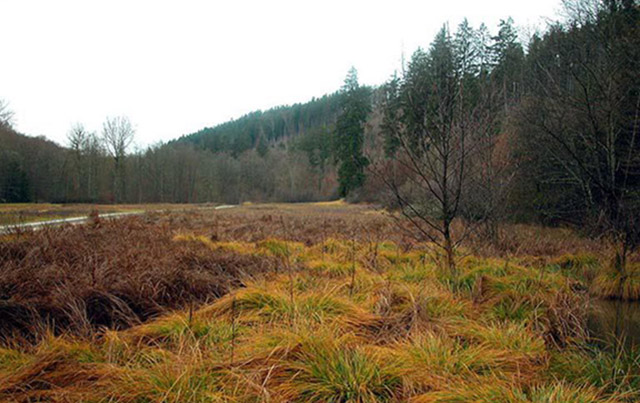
[(114, 274)]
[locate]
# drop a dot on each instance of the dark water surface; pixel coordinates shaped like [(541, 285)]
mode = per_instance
[(611, 320)]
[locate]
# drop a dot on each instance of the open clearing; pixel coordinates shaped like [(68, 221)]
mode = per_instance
[(298, 302)]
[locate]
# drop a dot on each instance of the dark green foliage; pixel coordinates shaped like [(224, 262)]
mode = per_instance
[(583, 103), (507, 58), (262, 148), (29, 168), (349, 134), (318, 145), (391, 123), (258, 129), (15, 188)]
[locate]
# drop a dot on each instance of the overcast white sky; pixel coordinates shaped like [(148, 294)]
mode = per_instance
[(175, 67)]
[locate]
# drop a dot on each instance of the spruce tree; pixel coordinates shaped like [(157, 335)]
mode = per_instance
[(349, 134), (508, 59)]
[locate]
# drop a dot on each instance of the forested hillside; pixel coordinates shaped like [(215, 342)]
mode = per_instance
[(260, 130)]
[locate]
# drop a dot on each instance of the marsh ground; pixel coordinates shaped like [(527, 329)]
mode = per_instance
[(306, 302)]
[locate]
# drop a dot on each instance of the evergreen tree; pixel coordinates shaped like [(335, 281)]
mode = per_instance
[(262, 147), (482, 50), (349, 134), (391, 108), (466, 62), (16, 184), (508, 58), (466, 52)]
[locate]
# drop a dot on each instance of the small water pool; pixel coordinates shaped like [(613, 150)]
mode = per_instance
[(611, 320)]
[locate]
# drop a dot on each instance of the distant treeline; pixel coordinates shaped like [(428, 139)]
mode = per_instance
[(579, 76)]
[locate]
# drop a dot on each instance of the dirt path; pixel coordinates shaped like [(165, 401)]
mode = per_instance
[(82, 219)]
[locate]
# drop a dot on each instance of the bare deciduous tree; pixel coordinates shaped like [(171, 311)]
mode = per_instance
[(77, 137), (117, 135), (438, 129), (6, 115)]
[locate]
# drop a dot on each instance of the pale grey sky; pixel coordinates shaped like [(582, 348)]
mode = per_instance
[(175, 67)]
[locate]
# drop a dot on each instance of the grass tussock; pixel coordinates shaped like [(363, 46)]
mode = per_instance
[(324, 371), (499, 392), (259, 304), (610, 283)]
